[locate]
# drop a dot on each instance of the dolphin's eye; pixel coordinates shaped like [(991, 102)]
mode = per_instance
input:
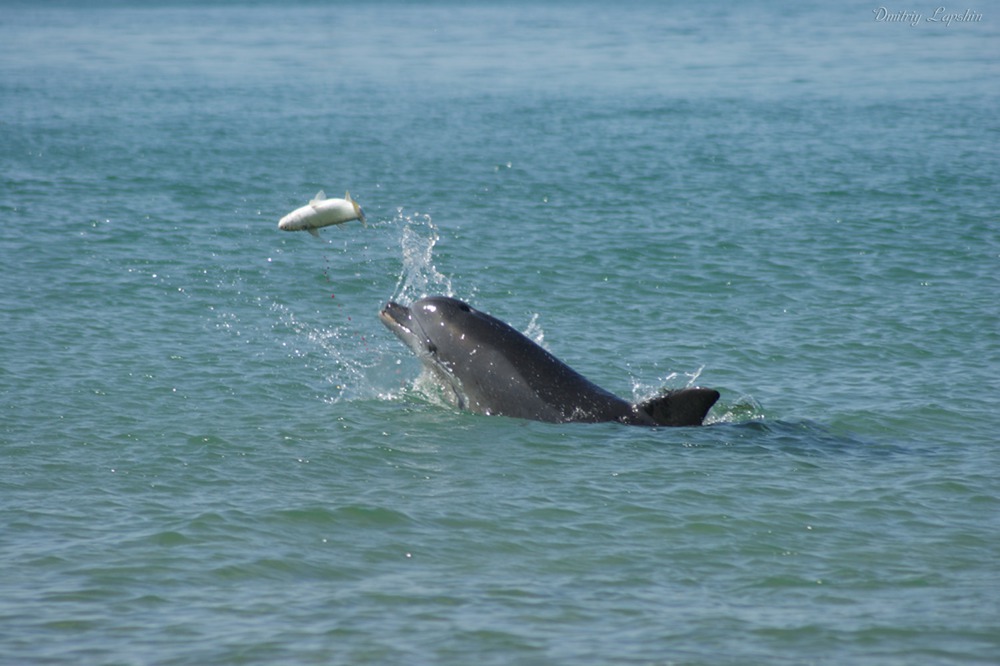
[(464, 307), (432, 348)]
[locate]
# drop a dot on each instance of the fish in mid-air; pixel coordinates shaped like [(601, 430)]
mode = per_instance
[(322, 212)]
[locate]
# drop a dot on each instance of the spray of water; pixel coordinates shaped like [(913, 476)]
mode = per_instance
[(329, 341), (381, 369), (419, 277)]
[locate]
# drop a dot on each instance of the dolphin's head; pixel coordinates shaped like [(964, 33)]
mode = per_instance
[(437, 328), (447, 335)]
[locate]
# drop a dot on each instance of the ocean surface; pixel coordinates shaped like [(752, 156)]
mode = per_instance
[(212, 452)]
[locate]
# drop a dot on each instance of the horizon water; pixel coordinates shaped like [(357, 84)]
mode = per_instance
[(213, 452)]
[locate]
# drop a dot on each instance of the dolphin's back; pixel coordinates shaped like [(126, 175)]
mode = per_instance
[(508, 373)]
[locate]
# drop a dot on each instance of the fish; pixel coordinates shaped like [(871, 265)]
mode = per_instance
[(322, 212)]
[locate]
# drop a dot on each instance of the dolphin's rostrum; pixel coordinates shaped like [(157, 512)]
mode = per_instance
[(491, 368)]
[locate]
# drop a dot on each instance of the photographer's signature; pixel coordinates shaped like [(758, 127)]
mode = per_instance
[(940, 16)]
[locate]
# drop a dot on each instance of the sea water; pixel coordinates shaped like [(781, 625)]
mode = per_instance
[(213, 452)]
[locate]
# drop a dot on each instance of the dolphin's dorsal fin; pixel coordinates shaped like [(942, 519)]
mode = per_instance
[(320, 196), (347, 196), (685, 407)]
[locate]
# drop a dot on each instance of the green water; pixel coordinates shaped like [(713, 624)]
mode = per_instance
[(213, 452)]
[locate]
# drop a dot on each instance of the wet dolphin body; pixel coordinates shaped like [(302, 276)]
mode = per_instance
[(491, 368)]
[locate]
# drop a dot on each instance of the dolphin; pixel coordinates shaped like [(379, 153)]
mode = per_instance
[(322, 212), (488, 367)]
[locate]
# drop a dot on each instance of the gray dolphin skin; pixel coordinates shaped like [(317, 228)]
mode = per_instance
[(488, 367)]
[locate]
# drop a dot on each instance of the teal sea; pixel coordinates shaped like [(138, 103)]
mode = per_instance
[(212, 452)]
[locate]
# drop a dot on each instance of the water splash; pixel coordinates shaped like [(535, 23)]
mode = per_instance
[(345, 359), (642, 391), (535, 332), (419, 277), (745, 409), (314, 344)]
